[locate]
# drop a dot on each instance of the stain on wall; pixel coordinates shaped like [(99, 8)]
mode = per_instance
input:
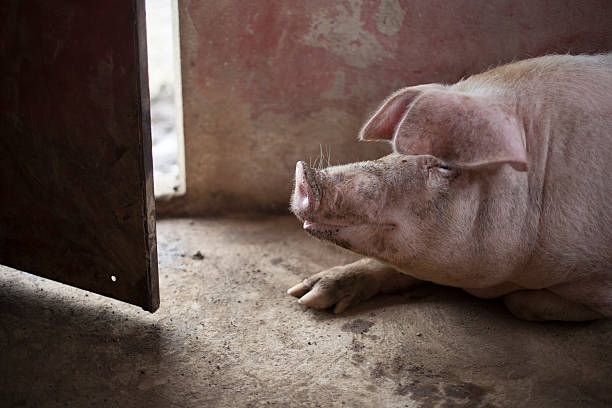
[(268, 83)]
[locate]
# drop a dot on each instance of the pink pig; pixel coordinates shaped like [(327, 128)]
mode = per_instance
[(500, 184)]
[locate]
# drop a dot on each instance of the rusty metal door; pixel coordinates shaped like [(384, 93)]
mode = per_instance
[(76, 190)]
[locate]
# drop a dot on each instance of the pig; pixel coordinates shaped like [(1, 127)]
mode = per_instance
[(499, 184)]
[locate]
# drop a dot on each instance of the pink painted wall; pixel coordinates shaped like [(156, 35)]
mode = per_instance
[(266, 83)]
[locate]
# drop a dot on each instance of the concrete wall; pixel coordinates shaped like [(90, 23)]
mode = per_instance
[(266, 83)]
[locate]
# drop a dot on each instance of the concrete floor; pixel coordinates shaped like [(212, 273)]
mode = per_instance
[(226, 334)]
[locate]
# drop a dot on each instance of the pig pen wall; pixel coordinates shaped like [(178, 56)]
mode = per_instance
[(267, 83)]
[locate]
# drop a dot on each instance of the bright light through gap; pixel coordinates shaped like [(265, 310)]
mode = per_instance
[(164, 88)]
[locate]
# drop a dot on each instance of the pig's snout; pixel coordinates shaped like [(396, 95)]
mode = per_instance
[(306, 194)]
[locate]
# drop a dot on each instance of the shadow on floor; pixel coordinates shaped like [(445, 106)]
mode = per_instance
[(227, 335), (57, 350)]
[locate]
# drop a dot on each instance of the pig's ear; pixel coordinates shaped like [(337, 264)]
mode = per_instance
[(383, 123), (461, 130)]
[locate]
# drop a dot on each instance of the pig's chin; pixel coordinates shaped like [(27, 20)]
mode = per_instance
[(349, 236)]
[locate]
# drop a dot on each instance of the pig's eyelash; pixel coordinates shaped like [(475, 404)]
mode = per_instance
[(443, 168), (446, 170)]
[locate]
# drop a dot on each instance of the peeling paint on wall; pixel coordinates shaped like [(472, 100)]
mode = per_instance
[(341, 31), (389, 17)]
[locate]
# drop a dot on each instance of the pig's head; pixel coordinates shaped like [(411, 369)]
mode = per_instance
[(416, 205)]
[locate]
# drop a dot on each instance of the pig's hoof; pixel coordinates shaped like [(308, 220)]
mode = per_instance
[(339, 287)]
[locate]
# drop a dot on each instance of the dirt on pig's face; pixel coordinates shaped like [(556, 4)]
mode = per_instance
[(384, 209)]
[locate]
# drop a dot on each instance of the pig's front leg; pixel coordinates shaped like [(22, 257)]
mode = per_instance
[(347, 285), (542, 304)]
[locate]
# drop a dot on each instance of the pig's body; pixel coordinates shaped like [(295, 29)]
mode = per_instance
[(500, 184)]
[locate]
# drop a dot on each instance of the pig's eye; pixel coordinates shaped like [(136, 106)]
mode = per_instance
[(439, 174), (446, 171)]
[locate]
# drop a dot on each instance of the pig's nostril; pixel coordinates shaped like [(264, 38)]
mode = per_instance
[(302, 195), (305, 202), (305, 195)]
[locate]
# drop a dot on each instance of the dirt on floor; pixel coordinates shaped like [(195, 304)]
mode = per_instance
[(226, 334)]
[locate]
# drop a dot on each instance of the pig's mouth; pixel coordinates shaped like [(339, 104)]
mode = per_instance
[(313, 227), (345, 235)]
